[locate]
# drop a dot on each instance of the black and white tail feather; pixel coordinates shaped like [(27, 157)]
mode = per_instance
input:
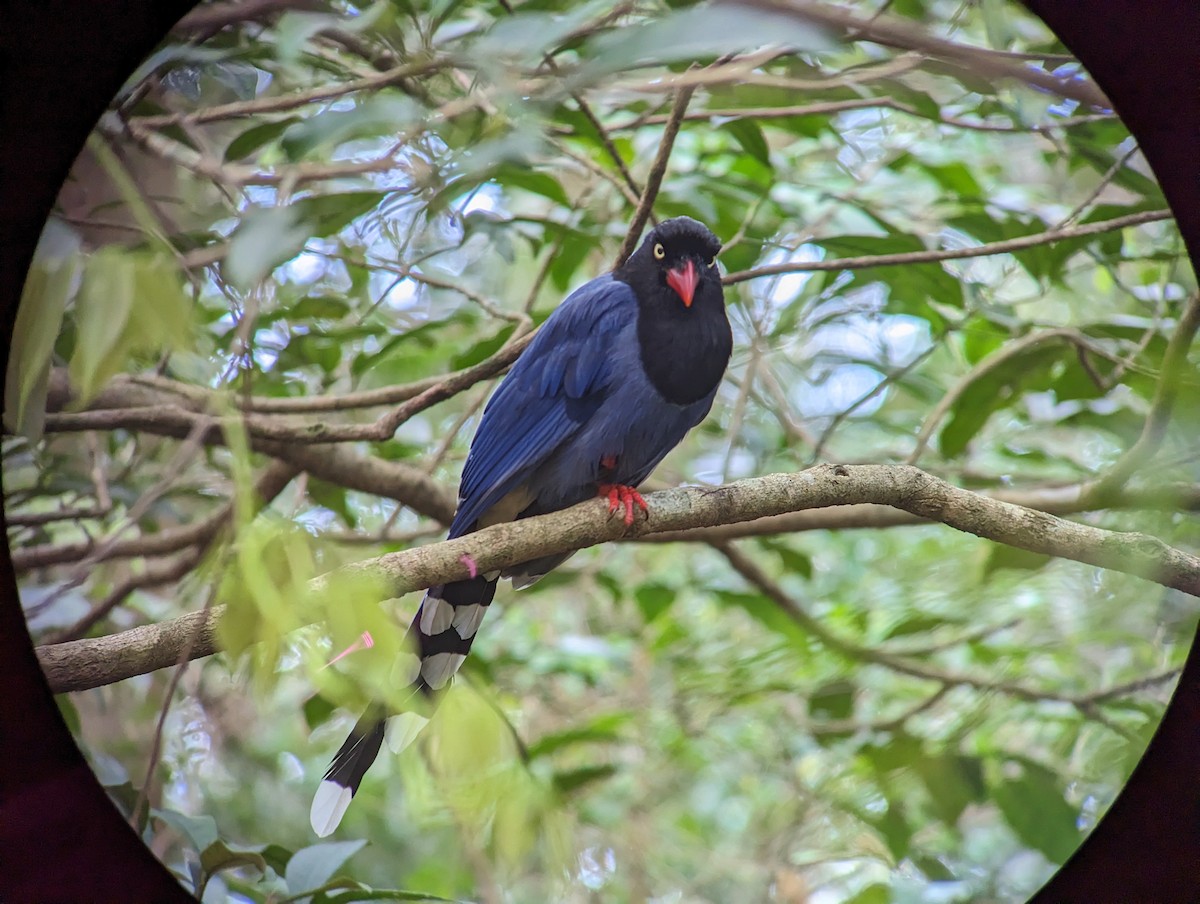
[(441, 633)]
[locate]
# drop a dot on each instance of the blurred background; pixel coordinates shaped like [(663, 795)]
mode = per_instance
[(942, 248)]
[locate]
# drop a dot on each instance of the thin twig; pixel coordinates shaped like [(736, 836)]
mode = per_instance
[(1105, 180), (749, 569), (282, 102), (893, 32), (654, 179), (948, 254), (1174, 365)]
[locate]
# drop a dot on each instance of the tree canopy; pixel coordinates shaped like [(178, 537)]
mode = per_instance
[(912, 648)]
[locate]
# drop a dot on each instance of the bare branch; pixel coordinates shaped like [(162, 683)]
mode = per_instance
[(892, 32), (1064, 500), (905, 665), (329, 91), (827, 108), (951, 254), (657, 170), (36, 519), (337, 464), (156, 574), (269, 485), (88, 663)]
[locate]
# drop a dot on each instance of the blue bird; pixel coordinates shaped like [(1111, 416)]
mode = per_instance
[(613, 381)]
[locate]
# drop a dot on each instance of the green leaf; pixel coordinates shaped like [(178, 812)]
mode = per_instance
[(483, 349), (749, 135), (266, 238), (653, 600), (911, 285), (996, 388), (894, 827), (794, 561), (332, 497), (532, 181), (953, 782), (48, 286), (918, 623), (603, 729), (277, 857), (1001, 556), (311, 867), (102, 312), (200, 831), (270, 236), (217, 856), (954, 178), (129, 302), (317, 710), (768, 613), (318, 307), (1035, 808), (327, 214), (832, 701), (255, 137), (698, 32), (384, 114), (875, 893), (573, 780), (69, 713)]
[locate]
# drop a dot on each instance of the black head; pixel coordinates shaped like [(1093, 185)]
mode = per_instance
[(683, 333), (675, 265)]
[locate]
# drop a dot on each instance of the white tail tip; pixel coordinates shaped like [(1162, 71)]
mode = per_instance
[(403, 729), (328, 807)]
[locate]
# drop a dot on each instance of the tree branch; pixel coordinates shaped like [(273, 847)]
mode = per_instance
[(269, 485), (150, 412), (1065, 500), (89, 663), (951, 254), (330, 91), (906, 665), (891, 32), (657, 170)]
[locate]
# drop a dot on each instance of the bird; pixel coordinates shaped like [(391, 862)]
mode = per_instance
[(612, 382)]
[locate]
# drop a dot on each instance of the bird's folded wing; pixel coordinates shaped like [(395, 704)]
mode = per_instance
[(555, 387)]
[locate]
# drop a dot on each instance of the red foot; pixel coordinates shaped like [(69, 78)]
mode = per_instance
[(621, 495), (472, 568)]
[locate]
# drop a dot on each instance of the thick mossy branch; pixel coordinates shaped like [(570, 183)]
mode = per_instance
[(89, 663)]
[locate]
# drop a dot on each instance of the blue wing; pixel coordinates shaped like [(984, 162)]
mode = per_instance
[(554, 388)]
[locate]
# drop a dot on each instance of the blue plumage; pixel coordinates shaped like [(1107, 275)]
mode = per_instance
[(614, 379), (577, 395)]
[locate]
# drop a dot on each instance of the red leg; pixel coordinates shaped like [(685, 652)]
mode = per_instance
[(619, 495)]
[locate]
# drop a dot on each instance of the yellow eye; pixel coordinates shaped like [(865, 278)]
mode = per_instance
[(659, 251)]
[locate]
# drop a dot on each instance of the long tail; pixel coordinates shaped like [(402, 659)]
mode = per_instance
[(441, 632)]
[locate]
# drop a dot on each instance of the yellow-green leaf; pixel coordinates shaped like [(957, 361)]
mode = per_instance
[(48, 287)]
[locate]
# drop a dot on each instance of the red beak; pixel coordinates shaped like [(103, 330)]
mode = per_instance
[(683, 280)]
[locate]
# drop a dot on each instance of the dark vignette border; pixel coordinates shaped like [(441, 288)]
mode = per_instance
[(60, 62)]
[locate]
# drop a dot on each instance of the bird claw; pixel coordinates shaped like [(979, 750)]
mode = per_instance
[(619, 495)]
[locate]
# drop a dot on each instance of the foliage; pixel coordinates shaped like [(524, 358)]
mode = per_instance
[(337, 200)]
